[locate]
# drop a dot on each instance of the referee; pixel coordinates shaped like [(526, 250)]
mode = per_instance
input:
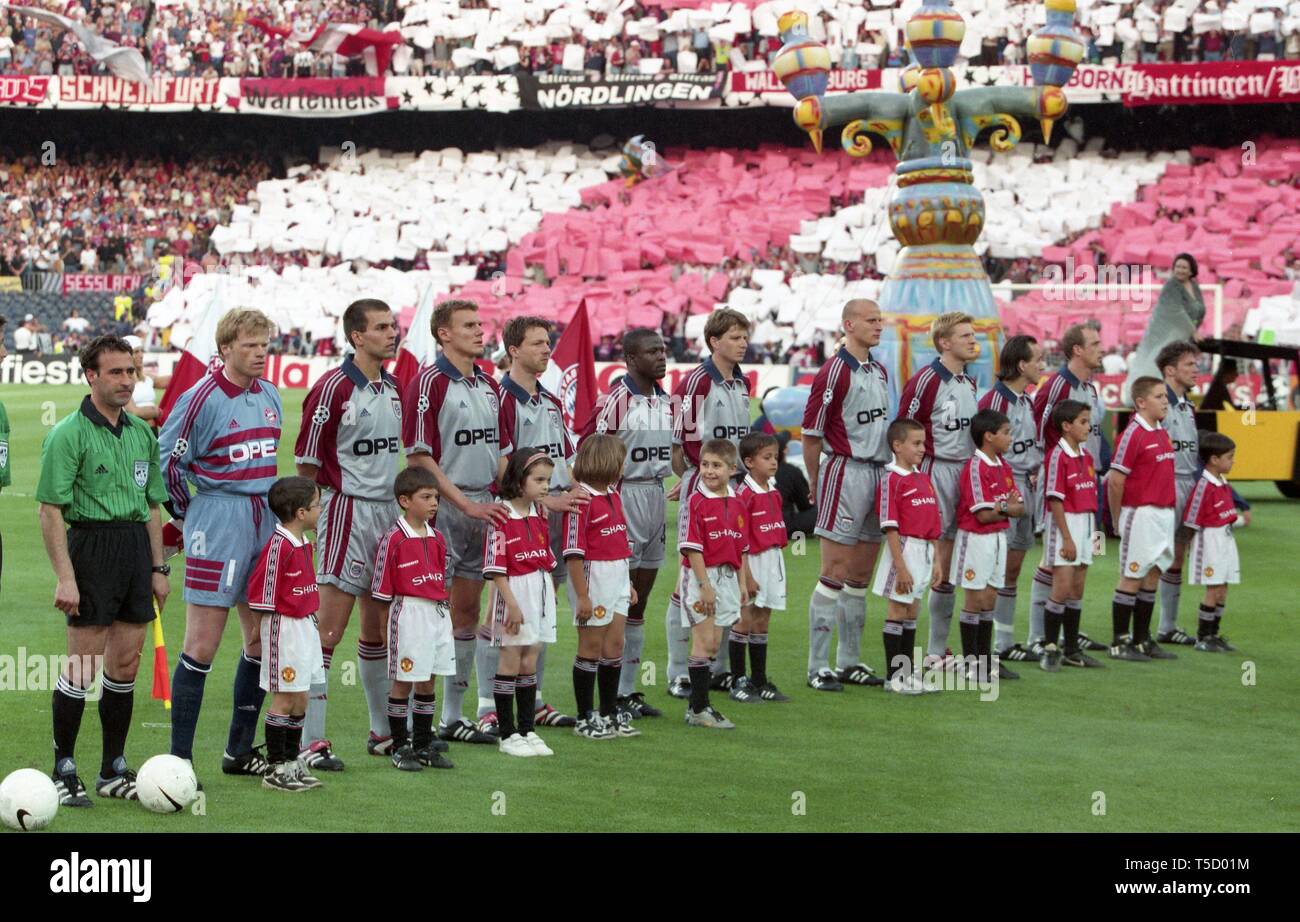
[(99, 491)]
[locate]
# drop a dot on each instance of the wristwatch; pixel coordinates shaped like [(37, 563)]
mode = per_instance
[(1002, 506), (164, 569)]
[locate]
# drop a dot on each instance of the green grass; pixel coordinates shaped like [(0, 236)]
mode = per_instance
[(1179, 746)]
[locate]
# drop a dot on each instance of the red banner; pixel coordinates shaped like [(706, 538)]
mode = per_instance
[(1212, 83), (86, 282), (312, 96), (24, 89), (160, 91), (840, 81)]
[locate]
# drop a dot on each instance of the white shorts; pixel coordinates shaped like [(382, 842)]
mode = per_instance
[(1024, 530), (768, 570), (979, 560), (536, 597), (1212, 557), (609, 585), (291, 657), (918, 555), (1146, 540), (726, 586), (1081, 529), (420, 645)]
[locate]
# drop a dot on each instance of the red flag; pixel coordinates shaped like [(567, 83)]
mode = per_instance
[(347, 39), (200, 353), (418, 350), (571, 376)]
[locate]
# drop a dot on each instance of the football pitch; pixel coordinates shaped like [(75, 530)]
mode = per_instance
[(1204, 743)]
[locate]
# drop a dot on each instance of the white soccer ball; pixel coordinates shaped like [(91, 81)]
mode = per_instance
[(28, 800), (166, 784)]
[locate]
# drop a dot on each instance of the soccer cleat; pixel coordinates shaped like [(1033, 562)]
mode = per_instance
[(1222, 643), (1036, 649), (1051, 660), (858, 674), (722, 681), (1152, 649), (1126, 651), (252, 762), (548, 716), (379, 745), (1087, 643), (825, 680), (1005, 673), (622, 724), (516, 745), (121, 786), (539, 745), (488, 724), (431, 756), (745, 691), (594, 727), (462, 731), (283, 777), (72, 793), (1082, 660), (405, 759), (305, 777), (1016, 654), (1207, 645), (318, 756), (769, 692), (708, 718), (1177, 636), (902, 684), (680, 688), (639, 707), (720, 722)]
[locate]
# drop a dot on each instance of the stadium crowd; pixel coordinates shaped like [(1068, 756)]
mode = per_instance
[(214, 38)]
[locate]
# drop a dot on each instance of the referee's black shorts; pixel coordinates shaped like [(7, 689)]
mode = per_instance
[(114, 568)]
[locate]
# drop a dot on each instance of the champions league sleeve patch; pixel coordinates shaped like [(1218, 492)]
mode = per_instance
[(422, 405), (321, 415), (180, 448)]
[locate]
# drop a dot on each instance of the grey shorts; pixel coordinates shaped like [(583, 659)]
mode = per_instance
[(1020, 537), (847, 497), (1183, 489), (555, 526), (464, 536), (348, 536), (645, 506), (945, 476)]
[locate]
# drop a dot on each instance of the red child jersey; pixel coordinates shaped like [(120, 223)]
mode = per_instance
[(714, 526), (284, 579), (409, 563), (906, 501), (597, 531), (1146, 455), (1211, 504), (520, 546), (985, 482), (764, 516), (1071, 478)]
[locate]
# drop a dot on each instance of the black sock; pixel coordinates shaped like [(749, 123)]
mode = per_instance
[(985, 635), (1121, 611), (1073, 618), (187, 697), (698, 667), (1142, 608), (736, 648), (908, 647), (503, 691), (276, 732), (397, 710), (69, 704), (526, 699), (1204, 622), (247, 706), (293, 737), (422, 719), (970, 632), (1218, 617), (1053, 618), (114, 720), (584, 685), (607, 674), (892, 635), (758, 659)]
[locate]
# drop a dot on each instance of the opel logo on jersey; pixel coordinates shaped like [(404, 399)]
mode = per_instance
[(1024, 445), (661, 453), (363, 447), (247, 451), (957, 425), (870, 416), (474, 436), (730, 432)]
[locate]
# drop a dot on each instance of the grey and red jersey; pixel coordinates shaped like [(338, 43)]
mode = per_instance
[(1180, 423), (1063, 385), (944, 404), (352, 431), (848, 408), (458, 421), (644, 422), (709, 406), (537, 421), (1024, 455)]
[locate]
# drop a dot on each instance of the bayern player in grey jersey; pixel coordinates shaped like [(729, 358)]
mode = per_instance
[(639, 412), (349, 443), (941, 397), (845, 449), (1178, 364), (1019, 366), (711, 402)]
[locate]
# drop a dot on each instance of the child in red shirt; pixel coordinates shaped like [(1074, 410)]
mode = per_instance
[(1211, 513), (597, 552), (765, 533), (282, 589), (411, 575)]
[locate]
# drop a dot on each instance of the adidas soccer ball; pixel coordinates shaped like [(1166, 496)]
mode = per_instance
[(28, 800), (166, 784)]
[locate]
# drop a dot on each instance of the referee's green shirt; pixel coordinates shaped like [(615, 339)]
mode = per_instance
[(98, 472), (5, 478)]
